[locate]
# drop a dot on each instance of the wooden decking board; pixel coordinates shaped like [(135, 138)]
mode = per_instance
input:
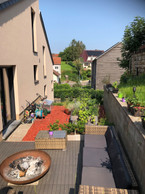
[(61, 177)]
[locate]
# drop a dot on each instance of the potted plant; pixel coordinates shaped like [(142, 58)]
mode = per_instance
[(129, 103), (53, 127), (136, 108), (115, 87), (123, 99), (110, 87), (50, 132), (69, 108)]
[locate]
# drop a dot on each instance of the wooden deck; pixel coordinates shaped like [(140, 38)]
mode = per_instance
[(63, 177)]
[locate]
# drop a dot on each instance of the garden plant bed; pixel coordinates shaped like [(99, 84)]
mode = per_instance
[(57, 113)]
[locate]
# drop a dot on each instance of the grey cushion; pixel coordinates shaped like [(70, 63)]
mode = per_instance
[(96, 157), (100, 177), (120, 173), (96, 141), (113, 150), (109, 136)]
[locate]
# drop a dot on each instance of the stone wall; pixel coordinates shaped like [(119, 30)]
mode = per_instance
[(137, 63), (130, 132)]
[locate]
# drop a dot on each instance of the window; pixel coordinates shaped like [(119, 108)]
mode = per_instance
[(45, 91), (56, 67), (34, 38), (44, 62), (36, 74)]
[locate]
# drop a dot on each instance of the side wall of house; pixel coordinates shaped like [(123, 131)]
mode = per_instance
[(108, 67), (17, 51), (57, 68)]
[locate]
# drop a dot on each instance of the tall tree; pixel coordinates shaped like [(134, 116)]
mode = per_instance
[(134, 37), (78, 64), (73, 51)]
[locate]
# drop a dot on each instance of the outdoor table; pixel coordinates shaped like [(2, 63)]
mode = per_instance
[(44, 140)]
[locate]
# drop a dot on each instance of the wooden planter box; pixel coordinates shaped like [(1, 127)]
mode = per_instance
[(57, 141)]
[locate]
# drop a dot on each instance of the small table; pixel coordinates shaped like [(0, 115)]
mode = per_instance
[(56, 141)]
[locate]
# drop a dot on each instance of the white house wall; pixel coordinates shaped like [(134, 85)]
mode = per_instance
[(57, 68)]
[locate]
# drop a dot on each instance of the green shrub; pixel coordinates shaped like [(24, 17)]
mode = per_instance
[(61, 86), (78, 92), (54, 126)]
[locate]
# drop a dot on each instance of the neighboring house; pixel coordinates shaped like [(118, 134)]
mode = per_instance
[(56, 77), (26, 64), (137, 62), (105, 68), (88, 56), (57, 63)]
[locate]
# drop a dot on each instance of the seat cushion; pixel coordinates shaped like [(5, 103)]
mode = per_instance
[(120, 173), (96, 157), (113, 150), (101, 177), (95, 141), (109, 136)]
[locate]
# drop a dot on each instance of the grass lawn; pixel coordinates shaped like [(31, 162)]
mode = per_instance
[(66, 67), (134, 81)]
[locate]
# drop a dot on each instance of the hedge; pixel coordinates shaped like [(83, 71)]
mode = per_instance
[(76, 92)]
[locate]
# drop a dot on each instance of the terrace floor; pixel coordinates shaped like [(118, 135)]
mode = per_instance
[(63, 177)]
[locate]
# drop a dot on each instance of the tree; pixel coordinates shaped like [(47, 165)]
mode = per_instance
[(134, 37), (73, 51), (78, 64)]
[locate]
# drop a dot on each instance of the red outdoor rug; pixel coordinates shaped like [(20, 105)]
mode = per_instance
[(57, 113)]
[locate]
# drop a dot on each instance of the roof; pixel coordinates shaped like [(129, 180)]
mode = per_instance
[(56, 73), (89, 53), (6, 3), (57, 60), (95, 53), (55, 55), (108, 50)]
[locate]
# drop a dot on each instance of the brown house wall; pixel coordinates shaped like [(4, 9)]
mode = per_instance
[(107, 67), (16, 50)]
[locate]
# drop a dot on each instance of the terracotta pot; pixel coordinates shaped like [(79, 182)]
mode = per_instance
[(115, 90), (67, 111)]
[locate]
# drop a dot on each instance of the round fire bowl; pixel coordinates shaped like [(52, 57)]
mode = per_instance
[(5, 168)]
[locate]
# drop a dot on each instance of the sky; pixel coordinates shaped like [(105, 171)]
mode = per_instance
[(99, 24)]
